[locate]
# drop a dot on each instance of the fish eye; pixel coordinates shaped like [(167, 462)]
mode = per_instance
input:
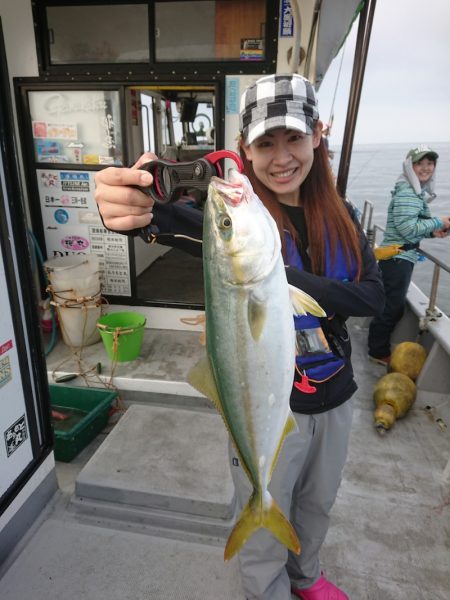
[(225, 222)]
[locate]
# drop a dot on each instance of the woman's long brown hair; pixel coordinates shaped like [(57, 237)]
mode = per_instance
[(325, 213)]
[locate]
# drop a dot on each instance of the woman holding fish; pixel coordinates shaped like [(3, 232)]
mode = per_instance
[(292, 460)]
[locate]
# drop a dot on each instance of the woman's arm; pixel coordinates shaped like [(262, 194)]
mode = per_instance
[(363, 298), (406, 214), (126, 209)]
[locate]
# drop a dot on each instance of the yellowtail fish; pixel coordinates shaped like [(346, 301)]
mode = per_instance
[(250, 342)]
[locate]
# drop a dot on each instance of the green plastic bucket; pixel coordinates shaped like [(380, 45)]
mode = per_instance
[(122, 334)]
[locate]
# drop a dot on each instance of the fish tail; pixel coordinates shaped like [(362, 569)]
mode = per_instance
[(256, 515)]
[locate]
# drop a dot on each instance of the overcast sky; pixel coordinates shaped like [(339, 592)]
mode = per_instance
[(406, 92)]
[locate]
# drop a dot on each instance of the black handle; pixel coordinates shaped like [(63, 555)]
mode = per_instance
[(171, 180)]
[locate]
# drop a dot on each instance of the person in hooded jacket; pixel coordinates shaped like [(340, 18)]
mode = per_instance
[(409, 220)]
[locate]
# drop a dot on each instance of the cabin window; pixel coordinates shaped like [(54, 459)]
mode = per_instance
[(210, 30), (76, 127), (96, 34), (120, 38)]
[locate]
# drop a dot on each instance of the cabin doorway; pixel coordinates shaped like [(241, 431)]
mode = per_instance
[(177, 123)]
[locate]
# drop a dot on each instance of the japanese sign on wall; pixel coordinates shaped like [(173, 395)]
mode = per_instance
[(76, 127), (286, 20), (72, 226), (15, 435), (232, 96), (252, 49), (15, 445), (5, 363)]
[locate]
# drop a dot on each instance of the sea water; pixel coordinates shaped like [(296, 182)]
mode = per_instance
[(373, 172)]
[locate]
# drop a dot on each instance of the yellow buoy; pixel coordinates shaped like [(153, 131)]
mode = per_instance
[(408, 358), (393, 395)]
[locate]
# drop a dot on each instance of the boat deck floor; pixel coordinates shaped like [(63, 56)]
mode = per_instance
[(143, 511)]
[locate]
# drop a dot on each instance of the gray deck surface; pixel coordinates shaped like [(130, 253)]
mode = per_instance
[(151, 460), (389, 532)]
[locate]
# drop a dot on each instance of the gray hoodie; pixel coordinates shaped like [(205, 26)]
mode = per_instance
[(410, 177)]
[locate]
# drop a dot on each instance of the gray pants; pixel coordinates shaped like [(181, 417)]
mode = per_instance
[(304, 484)]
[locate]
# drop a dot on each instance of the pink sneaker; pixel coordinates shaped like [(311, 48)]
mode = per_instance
[(321, 590)]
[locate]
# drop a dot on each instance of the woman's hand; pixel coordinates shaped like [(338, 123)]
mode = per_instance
[(442, 233), (445, 231), (122, 206)]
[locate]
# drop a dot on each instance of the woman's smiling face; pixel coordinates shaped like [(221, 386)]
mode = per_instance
[(424, 169), (282, 159)]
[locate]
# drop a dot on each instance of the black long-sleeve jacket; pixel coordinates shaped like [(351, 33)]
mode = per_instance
[(343, 299)]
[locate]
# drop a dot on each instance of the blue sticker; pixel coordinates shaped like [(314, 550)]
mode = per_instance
[(286, 21), (232, 96), (74, 181), (74, 176), (61, 216)]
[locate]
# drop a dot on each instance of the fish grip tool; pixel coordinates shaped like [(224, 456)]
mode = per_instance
[(171, 180)]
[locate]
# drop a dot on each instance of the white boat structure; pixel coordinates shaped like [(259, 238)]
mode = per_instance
[(144, 510)]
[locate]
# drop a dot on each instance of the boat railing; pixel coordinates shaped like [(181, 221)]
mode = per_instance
[(372, 229)]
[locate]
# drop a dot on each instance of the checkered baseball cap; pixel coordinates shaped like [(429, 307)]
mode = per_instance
[(277, 101)]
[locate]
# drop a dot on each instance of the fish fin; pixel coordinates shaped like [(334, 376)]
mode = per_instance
[(256, 317), (304, 303), (291, 425), (258, 514), (201, 377)]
